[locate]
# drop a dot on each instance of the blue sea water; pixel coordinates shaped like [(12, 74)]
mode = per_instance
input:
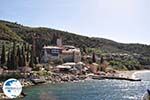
[(91, 90)]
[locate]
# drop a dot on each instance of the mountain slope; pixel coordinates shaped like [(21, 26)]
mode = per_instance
[(46, 36), (7, 34)]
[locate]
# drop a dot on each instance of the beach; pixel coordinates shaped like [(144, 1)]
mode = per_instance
[(129, 74)]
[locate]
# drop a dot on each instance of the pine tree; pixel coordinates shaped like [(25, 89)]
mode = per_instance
[(3, 55)]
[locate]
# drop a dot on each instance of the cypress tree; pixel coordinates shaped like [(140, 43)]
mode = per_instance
[(84, 50), (93, 57), (102, 60), (23, 57), (28, 52), (13, 57), (8, 61), (101, 63), (25, 46), (31, 63), (35, 61), (54, 39), (3, 55), (19, 57)]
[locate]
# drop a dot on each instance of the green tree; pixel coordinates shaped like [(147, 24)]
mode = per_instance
[(54, 39), (3, 55), (25, 46), (8, 61), (102, 60), (31, 63), (93, 58), (19, 57), (84, 50), (23, 57), (28, 53), (13, 57)]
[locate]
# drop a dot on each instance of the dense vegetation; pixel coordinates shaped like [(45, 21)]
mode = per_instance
[(7, 34), (15, 32), (18, 56)]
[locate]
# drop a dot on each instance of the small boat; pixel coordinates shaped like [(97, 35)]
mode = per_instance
[(146, 95)]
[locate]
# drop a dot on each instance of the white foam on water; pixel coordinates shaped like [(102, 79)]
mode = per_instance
[(130, 97)]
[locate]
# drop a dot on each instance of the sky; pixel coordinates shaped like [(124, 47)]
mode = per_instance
[(126, 21)]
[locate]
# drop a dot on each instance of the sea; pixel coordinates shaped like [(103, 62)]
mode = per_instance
[(92, 90)]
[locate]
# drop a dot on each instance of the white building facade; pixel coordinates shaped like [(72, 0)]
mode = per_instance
[(65, 53)]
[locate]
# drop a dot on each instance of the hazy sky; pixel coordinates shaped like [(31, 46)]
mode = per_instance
[(125, 21)]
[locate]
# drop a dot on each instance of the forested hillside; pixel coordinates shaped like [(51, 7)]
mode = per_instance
[(16, 32)]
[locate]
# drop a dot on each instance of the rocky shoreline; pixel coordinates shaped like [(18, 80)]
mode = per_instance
[(63, 78), (53, 78)]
